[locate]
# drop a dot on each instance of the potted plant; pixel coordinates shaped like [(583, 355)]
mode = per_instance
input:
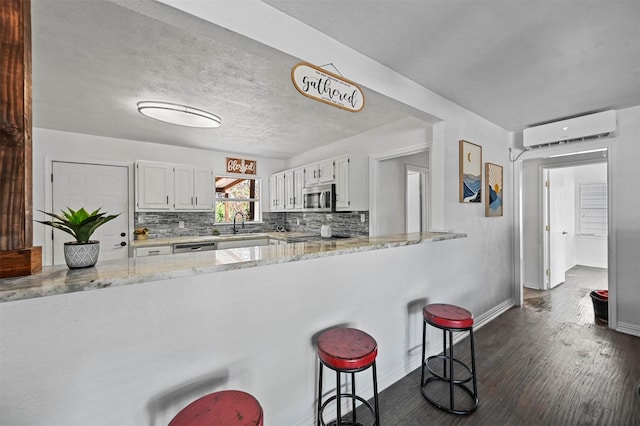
[(140, 233), (82, 252)]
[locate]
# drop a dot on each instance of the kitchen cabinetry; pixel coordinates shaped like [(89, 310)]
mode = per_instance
[(151, 251), (276, 192), (321, 172), (343, 193), (153, 185), (166, 186), (298, 185), (286, 188), (193, 188)]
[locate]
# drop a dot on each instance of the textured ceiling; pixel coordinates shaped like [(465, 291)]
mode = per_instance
[(516, 63), (94, 60)]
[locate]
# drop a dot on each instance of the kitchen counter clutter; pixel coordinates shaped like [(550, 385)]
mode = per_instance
[(55, 280)]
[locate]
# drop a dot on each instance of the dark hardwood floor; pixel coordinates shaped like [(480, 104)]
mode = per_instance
[(549, 362)]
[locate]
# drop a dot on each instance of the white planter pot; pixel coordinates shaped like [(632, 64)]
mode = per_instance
[(81, 255)]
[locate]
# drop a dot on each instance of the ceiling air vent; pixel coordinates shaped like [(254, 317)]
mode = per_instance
[(592, 126)]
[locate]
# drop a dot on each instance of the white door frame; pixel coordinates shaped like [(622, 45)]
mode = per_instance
[(47, 254), (574, 148)]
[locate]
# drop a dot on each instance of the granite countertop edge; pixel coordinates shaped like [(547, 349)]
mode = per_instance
[(56, 280)]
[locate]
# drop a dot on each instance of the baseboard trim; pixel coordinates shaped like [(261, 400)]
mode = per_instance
[(493, 313), (397, 372), (626, 328)]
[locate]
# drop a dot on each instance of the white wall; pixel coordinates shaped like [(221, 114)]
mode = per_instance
[(391, 202), (55, 145), (625, 215), (626, 220), (135, 355)]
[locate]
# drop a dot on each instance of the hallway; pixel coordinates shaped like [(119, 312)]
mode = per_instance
[(547, 363)]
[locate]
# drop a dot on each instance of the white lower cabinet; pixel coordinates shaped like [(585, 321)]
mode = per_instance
[(151, 251)]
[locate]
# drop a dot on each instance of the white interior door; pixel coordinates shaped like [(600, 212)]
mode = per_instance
[(557, 212), (93, 186), (417, 196)]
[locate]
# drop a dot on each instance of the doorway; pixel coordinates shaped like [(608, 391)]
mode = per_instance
[(534, 213), (92, 186), (575, 215), (388, 191)]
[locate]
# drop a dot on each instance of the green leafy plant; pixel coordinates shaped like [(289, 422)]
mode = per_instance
[(78, 223)]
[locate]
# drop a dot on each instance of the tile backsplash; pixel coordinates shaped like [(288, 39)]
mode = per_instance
[(167, 224)]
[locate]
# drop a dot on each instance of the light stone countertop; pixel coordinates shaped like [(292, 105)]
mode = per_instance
[(154, 242), (53, 280)]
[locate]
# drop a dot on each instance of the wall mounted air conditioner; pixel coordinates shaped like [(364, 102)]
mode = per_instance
[(592, 126)]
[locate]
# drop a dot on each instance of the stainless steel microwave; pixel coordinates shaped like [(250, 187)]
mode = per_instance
[(321, 198)]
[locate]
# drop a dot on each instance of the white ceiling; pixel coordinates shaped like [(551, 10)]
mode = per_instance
[(516, 63)]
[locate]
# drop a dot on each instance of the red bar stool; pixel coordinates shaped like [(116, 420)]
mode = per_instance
[(224, 408), (450, 319), (347, 350)]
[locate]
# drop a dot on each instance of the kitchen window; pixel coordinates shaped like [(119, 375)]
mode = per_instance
[(237, 194)]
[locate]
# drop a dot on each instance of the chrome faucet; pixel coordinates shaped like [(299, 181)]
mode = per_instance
[(235, 231)]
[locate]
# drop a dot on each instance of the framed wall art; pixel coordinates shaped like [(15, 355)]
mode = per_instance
[(470, 172), (493, 186)]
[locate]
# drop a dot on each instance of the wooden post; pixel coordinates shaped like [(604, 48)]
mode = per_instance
[(17, 255)]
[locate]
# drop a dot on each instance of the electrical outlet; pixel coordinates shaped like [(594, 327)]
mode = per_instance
[(362, 218), (181, 224), (141, 219), (297, 221)]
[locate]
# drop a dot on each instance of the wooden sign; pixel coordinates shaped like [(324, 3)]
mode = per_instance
[(238, 165), (323, 86)]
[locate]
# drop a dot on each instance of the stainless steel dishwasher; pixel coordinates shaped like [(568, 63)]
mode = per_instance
[(194, 247)]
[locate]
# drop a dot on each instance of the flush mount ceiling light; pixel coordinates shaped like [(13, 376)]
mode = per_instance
[(181, 115)]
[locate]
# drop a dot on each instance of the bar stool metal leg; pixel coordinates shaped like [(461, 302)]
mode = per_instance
[(347, 350), (449, 319)]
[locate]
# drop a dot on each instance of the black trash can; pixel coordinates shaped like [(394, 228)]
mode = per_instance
[(600, 299)]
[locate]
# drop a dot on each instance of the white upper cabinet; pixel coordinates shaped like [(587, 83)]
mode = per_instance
[(203, 188), (153, 185), (298, 184), (193, 188), (311, 175), (183, 188), (276, 192), (286, 187), (321, 172), (343, 193), (165, 186), (289, 190), (326, 172)]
